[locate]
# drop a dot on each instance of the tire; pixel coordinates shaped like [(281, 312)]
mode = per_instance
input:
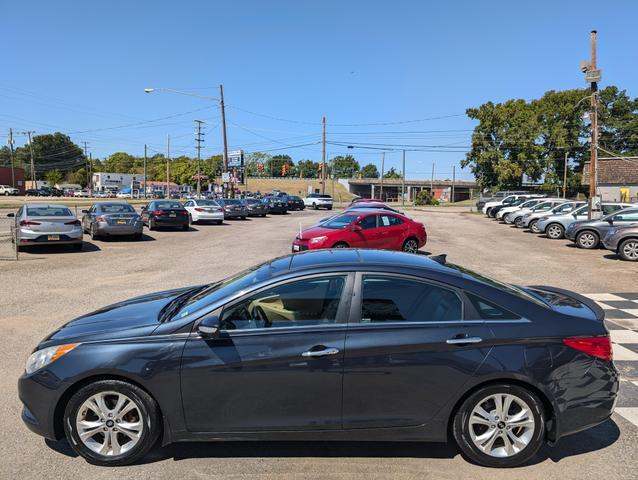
[(314, 205), (628, 250), (555, 231), (516, 220), (137, 237), (587, 239), (411, 245), (531, 434), (329, 208), (190, 219), (218, 222), (151, 224), (488, 212), (94, 235), (186, 227), (532, 226), (341, 245), (142, 419)]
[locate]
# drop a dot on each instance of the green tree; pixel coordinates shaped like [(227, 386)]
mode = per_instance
[(392, 173), (369, 171), (308, 169), (424, 197), (344, 166), (274, 164), (53, 177), (253, 159), (121, 162), (78, 176), (51, 151)]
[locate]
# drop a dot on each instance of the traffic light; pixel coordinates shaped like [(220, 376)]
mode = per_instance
[(260, 167), (284, 169)]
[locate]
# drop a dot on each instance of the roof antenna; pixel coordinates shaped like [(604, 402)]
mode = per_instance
[(439, 258)]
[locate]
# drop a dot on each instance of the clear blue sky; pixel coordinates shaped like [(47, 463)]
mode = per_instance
[(77, 66)]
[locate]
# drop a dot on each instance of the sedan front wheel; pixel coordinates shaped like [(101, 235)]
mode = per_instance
[(500, 425), (587, 239), (111, 422), (410, 246), (555, 231)]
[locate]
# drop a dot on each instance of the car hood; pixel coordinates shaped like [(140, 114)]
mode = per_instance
[(134, 317), (318, 231)]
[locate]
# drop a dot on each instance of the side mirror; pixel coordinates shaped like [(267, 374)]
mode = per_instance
[(356, 228), (610, 221), (209, 326), (85, 211), (11, 215)]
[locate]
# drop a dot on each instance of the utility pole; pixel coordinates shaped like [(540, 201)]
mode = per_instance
[(382, 166), (403, 181), (86, 164), (221, 95), (90, 171), (593, 167), (198, 146), (34, 182), (13, 174), (565, 176), (168, 163), (453, 182), (432, 181), (323, 155), (145, 159)]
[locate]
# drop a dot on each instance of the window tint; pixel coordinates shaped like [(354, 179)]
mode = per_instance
[(607, 209), (48, 212), (389, 220), (306, 302), (564, 208), (490, 311), (117, 208), (167, 205), (340, 222), (368, 222), (630, 216), (386, 299)]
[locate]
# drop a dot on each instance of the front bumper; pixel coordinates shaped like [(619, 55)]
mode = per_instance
[(40, 394)]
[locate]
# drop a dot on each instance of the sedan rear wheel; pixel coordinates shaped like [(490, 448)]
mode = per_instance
[(411, 246), (500, 425), (111, 422), (628, 250), (587, 239), (555, 231), (94, 234)]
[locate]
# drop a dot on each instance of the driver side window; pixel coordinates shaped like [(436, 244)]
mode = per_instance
[(314, 301)]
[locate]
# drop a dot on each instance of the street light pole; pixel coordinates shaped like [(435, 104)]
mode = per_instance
[(403, 181), (221, 94), (199, 148)]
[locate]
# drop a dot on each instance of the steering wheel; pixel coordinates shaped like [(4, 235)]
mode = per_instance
[(259, 314)]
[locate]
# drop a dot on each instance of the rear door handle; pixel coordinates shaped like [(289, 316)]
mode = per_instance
[(463, 340), (320, 353)]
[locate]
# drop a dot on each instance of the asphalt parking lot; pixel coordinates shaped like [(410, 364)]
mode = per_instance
[(49, 287)]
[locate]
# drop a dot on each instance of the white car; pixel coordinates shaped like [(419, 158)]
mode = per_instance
[(8, 190), (202, 210), (42, 224), (123, 195), (487, 208), (81, 193), (526, 204), (317, 200)]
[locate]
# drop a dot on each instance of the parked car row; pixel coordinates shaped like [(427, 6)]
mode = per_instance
[(616, 229), (46, 224)]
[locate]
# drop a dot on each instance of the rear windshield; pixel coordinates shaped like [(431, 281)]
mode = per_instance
[(232, 201), (252, 201), (325, 196), (117, 208), (340, 222), (162, 205), (294, 197), (48, 212), (209, 203)]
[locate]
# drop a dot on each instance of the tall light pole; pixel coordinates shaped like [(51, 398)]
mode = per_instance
[(199, 140), (221, 93)]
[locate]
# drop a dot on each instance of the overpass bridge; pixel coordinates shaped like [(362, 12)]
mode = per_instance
[(389, 189)]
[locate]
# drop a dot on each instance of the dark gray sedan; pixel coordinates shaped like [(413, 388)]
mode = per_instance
[(587, 233), (233, 208), (107, 219), (255, 207)]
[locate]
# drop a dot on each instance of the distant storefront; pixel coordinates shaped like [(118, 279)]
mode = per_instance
[(15, 179)]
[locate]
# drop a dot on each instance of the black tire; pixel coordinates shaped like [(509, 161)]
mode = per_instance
[(516, 220), (218, 222), (341, 245), (532, 226), (186, 227), (314, 205), (488, 212), (151, 224), (329, 208), (628, 250), (147, 408), (94, 235), (555, 231), (462, 435), (587, 239), (411, 245), (190, 219), (137, 237)]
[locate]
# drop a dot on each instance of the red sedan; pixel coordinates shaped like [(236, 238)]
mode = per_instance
[(376, 229)]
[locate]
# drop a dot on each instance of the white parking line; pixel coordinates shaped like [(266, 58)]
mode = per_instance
[(624, 336), (623, 354), (601, 297), (628, 413)]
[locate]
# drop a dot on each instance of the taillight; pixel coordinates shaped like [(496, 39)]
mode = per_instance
[(158, 212), (27, 223), (72, 222), (599, 347), (199, 209)]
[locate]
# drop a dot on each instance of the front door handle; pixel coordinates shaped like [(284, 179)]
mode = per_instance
[(320, 353), (463, 340)]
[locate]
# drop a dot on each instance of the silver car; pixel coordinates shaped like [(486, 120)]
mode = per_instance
[(105, 219), (508, 214), (560, 209), (43, 224), (554, 226), (529, 219)]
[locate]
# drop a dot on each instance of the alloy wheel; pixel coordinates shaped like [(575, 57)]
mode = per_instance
[(410, 246), (534, 227), (554, 232), (587, 240), (501, 425), (629, 250), (109, 423)]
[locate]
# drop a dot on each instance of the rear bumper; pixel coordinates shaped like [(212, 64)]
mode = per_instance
[(170, 222), (235, 214), (120, 229), (207, 216)]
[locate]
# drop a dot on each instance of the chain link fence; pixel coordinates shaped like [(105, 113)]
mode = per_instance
[(8, 249)]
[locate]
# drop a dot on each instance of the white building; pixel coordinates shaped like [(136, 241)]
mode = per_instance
[(114, 182)]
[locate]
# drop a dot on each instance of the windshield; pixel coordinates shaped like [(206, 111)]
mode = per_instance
[(167, 205), (529, 203), (49, 212), (542, 206), (117, 208), (232, 201), (505, 287), (340, 222), (563, 208)]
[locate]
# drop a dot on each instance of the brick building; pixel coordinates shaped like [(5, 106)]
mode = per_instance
[(617, 179), (7, 179)]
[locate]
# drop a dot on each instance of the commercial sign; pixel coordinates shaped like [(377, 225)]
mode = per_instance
[(236, 158)]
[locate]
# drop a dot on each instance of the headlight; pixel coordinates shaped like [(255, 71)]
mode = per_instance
[(527, 215), (318, 239), (43, 357), (543, 218)]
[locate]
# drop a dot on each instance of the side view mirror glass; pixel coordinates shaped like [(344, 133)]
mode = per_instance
[(11, 215), (356, 228), (610, 221)]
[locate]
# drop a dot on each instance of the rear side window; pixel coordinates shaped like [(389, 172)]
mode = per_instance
[(389, 220), (607, 209), (392, 299), (368, 222), (630, 216), (490, 311)]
